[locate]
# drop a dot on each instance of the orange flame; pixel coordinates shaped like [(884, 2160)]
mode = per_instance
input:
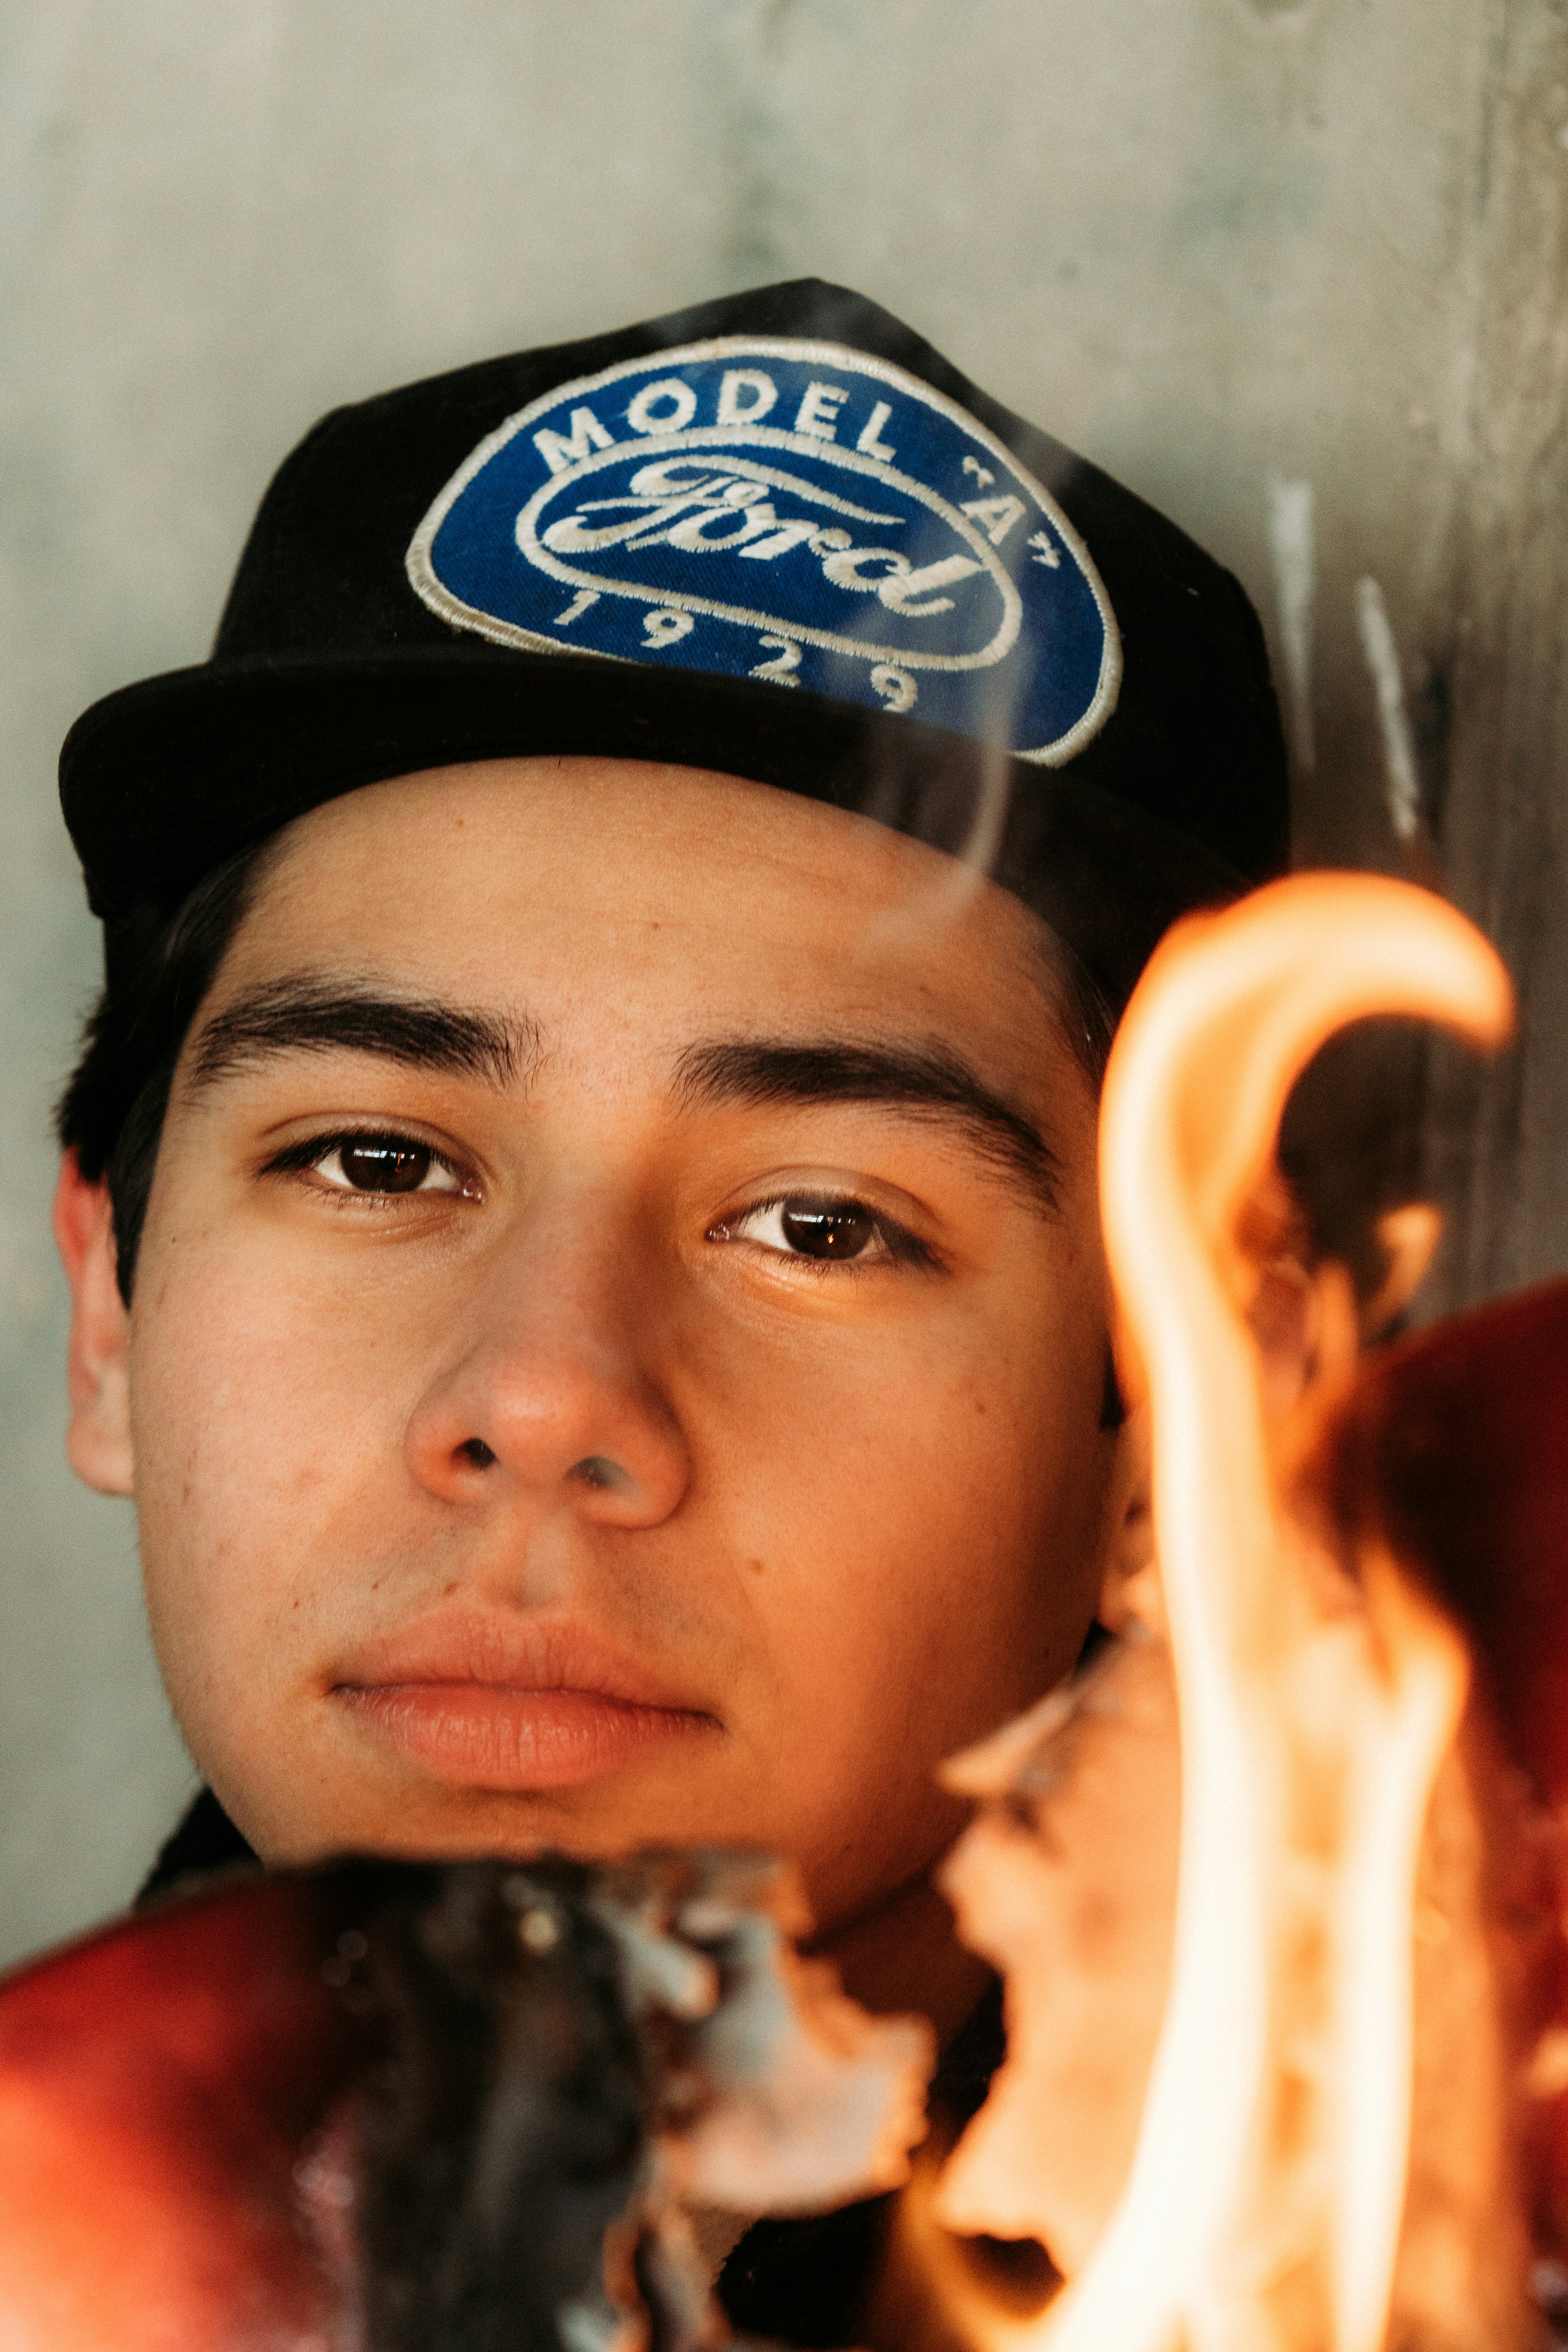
[(1314, 1712)]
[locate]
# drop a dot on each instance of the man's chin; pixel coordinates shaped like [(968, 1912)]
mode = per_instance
[(646, 1791)]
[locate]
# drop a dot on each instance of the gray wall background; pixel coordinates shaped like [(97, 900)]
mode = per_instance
[(1292, 268)]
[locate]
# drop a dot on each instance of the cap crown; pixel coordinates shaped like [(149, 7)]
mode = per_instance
[(630, 544)]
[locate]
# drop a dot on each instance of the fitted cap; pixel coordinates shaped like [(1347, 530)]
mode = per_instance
[(777, 536)]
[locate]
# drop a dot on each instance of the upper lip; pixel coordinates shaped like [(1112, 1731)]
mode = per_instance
[(499, 1650)]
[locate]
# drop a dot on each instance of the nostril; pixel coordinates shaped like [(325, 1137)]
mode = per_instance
[(598, 1470), (476, 1450)]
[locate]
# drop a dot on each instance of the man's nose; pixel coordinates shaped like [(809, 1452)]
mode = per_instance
[(555, 1395)]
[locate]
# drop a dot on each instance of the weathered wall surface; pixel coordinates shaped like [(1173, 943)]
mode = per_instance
[(1294, 268)]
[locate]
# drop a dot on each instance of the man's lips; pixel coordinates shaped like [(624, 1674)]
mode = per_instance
[(478, 1736), (508, 1703)]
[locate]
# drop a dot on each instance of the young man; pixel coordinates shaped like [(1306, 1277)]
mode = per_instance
[(580, 1189)]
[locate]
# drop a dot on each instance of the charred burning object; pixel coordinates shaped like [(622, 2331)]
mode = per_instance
[(395, 2108), (1449, 1456)]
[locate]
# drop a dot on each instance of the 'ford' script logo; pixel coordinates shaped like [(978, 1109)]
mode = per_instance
[(792, 512)]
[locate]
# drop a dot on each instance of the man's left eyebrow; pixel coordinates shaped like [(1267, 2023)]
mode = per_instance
[(926, 1081), (306, 1015)]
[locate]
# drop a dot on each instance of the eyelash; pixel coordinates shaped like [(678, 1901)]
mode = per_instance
[(311, 1150), (899, 1245)]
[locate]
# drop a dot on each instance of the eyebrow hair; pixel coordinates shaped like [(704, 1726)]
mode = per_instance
[(927, 1081), (291, 1016)]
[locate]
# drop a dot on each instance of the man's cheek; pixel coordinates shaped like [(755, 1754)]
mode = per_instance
[(253, 1452)]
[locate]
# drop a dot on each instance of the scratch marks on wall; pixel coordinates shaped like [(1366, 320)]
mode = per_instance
[(1291, 548), (1404, 784)]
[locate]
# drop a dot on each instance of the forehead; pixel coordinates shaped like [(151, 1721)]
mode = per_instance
[(629, 880)]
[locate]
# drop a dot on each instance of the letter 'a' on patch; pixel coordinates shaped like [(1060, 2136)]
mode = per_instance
[(787, 510)]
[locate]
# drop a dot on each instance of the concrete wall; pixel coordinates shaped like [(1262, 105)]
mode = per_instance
[(1290, 268)]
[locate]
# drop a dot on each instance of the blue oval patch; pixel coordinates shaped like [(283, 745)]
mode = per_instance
[(797, 513)]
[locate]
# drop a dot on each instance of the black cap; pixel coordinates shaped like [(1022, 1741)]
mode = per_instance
[(776, 536)]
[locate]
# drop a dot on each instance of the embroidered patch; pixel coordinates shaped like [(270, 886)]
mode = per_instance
[(792, 511)]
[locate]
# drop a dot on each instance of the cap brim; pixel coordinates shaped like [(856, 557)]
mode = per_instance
[(161, 780)]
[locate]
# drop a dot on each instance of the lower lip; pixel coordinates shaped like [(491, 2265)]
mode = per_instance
[(476, 1737)]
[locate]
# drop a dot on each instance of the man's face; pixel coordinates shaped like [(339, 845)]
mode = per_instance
[(619, 1335)]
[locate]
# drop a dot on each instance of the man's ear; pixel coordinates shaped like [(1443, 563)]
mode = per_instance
[(1128, 1589), (97, 1443)]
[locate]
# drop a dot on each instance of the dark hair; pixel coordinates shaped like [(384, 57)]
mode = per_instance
[(1086, 1010), (158, 967)]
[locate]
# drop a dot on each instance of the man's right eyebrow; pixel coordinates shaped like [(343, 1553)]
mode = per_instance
[(294, 1016)]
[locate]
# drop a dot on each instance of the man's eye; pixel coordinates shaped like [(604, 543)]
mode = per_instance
[(380, 1164), (827, 1229)]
